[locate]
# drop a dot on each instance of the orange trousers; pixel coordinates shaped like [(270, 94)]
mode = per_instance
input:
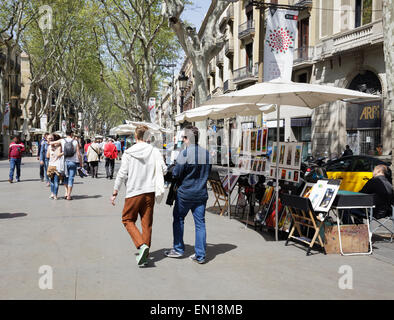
[(139, 205)]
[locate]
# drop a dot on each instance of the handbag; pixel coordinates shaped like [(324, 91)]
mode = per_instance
[(99, 154), (171, 197)]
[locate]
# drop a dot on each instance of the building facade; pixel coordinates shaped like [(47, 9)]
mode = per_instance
[(339, 43), (10, 94)]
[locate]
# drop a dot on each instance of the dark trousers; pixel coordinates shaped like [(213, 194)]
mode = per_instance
[(42, 171), (94, 168), (109, 167)]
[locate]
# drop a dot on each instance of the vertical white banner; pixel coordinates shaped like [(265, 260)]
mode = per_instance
[(152, 109), (64, 126), (280, 38), (6, 118), (43, 122)]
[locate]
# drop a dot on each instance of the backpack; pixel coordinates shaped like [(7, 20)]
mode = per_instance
[(69, 150)]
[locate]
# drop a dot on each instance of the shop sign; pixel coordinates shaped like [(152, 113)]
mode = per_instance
[(367, 115)]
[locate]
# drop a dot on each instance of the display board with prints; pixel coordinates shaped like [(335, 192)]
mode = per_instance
[(254, 141), (289, 154), (253, 147)]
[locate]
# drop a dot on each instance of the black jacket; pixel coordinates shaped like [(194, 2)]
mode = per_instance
[(383, 194)]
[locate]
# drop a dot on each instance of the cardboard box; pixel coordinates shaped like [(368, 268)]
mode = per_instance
[(354, 238)]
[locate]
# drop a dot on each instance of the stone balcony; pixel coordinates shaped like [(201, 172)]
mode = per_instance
[(366, 35), (229, 48), (212, 66), (303, 57), (220, 58), (246, 30), (228, 86), (246, 74)]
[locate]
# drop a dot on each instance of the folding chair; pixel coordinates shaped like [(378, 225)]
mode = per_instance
[(302, 215), (218, 191), (385, 221)]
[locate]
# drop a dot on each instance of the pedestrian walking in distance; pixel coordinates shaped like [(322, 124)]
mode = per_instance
[(191, 172), (72, 157), (143, 171), (110, 154), (15, 158), (93, 155), (85, 155), (118, 145), (42, 163), (43, 158), (55, 165)]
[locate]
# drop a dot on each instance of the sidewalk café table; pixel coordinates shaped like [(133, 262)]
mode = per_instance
[(347, 200)]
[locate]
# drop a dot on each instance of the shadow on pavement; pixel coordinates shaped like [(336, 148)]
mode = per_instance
[(81, 197), (12, 215), (22, 180), (213, 250)]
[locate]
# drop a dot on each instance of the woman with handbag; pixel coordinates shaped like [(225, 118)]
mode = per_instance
[(55, 165), (93, 155)]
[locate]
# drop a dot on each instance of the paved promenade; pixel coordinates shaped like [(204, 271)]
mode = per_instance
[(92, 256)]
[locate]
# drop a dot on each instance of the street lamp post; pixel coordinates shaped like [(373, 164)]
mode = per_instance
[(182, 80)]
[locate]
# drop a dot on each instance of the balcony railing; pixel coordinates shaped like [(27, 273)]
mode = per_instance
[(228, 85), (369, 34), (246, 29), (229, 47), (220, 58), (248, 73), (304, 54), (212, 66)]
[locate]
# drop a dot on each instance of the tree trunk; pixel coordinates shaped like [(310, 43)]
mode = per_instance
[(200, 48), (388, 31)]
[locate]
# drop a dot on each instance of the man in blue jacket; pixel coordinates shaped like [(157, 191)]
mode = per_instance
[(191, 172), (43, 157)]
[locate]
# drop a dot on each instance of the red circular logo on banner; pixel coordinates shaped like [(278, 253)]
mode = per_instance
[(280, 40)]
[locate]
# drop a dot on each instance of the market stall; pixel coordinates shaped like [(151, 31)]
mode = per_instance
[(287, 93)]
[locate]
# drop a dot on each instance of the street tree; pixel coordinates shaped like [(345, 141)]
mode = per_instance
[(15, 17), (199, 47), (133, 42)]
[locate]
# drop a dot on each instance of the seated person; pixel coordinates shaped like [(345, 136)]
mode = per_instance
[(383, 191)]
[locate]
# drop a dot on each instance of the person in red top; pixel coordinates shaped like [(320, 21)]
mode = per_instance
[(110, 154), (85, 159), (15, 157)]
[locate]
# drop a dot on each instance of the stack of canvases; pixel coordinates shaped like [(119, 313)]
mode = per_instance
[(266, 214)]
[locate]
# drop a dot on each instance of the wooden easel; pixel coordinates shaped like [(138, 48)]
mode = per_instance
[(303, 214)]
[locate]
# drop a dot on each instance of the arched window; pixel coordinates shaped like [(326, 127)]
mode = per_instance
[(367, 82)]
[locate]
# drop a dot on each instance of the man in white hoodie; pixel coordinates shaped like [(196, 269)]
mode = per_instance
[(142, 169)]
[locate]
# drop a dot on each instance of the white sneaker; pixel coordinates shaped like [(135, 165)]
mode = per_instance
[(143, 254), (194, 258)]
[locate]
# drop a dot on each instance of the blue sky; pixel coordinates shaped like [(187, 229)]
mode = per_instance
[(195, 13)]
